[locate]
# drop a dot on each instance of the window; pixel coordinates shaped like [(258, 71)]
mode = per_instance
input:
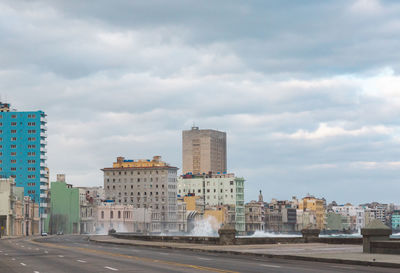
[(14, 116), (13, 146), (13, 139), (31, 146), (119, 214), (13, 169), (31, 131), (13, 124), (102, 215), (13, 131), (111, 214), (13, 161), (31, 153), (13, 153)]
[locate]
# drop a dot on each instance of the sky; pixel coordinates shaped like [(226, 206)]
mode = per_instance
[(307, 91)]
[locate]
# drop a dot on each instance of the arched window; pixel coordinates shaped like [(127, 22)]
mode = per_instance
[(102, 215), (119, 215), (111, 214)]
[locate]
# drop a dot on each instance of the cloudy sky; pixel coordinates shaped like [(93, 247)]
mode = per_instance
[(307, 91)]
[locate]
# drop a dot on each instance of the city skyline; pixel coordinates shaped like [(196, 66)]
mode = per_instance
[(306, 108)]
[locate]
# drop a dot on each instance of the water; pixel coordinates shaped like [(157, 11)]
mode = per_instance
[(205, 227)]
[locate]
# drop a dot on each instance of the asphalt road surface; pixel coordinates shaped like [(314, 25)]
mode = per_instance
[(76, 254)]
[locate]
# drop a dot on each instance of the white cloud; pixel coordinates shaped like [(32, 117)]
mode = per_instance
[(326, 131)]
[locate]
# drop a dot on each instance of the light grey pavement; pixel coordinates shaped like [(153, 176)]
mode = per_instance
[(345, 254), (76, 254)]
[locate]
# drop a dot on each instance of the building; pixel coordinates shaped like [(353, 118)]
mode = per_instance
[(203, 151), (316, 205), (217, 190), (123, 218), (65, 208), (255, 215), (19, 216), (87, 211), (149, 184), (396, 220), (23, 152)]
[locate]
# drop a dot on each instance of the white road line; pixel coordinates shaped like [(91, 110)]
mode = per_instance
[(1, 251), (205, 259), (111, 268), (22, 246), (36, 272), (161, 253), (6, 254), (61, 256), (46, 252), (29, 248), (270, 265), (37, 249), (23, 264), (342, 267), (81, 261)]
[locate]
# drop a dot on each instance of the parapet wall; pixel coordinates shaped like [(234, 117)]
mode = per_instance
[(238, 240)]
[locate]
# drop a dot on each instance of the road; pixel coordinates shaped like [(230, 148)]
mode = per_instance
[(76, 254)]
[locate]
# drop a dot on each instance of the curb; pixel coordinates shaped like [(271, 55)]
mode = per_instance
[(284, 257)]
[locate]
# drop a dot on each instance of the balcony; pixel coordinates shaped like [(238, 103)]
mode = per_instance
[(43, 150), (43, 216), (44, 180), (43, 142), (43, 205), (43, 134), (43, 127), (43, 195), (43, 157), (43, 172), (43, 119), (44, 187)]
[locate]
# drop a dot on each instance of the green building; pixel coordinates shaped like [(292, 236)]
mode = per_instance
[(64, 215)]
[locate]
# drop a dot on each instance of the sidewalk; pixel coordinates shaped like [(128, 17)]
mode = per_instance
[(317, 252)]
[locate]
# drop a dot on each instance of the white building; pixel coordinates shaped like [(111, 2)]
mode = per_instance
[(218, 189)]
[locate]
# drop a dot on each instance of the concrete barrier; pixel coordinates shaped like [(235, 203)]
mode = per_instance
[(238, 240), (374, 231)]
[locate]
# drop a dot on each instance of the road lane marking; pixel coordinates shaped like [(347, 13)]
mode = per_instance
[(13, 259), (61, 256), (204, 259), (81, 261), (270, 265), (143, 259), (46, 252), (36, 272), (342, 267), (6, 254), (111, 268), (23, 264), (37, 249)]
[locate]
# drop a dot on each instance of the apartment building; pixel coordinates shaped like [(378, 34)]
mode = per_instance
[(203, 151), (216, 190), (145, 184), (23, 153)]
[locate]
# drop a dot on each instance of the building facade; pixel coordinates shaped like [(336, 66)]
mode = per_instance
[(19, 215), (23, 152), (315, 205), (203, 151), (65, 208), (217, 190), (149, 184)]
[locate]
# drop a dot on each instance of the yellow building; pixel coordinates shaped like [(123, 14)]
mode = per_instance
[(316, 205), (218, 216), (141, 163)]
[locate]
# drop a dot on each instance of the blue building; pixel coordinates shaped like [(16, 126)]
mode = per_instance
[(23, 152), (396, 220)]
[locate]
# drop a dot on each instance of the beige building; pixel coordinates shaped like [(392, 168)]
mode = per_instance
[(123, 218), (19, 215), (203, 151), (149, 184)]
